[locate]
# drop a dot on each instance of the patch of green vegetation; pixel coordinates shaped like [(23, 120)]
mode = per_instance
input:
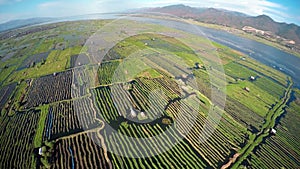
[(131, 68), (273, 88), (256, 99), (267, 71), (124, 124), (165, 43), (237, 71), (149, 73), (158, 43), (11, 62), (45, 162), (44, 46), (264, 92), (5, 72), (286, 140), (294, 108), (189, 58), (33, 162), (19, 95), (38, 139), (56, 61), (270, 119), (194, 102), (128, 46)]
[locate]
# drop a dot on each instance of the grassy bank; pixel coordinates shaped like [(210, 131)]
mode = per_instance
[(256, 139)]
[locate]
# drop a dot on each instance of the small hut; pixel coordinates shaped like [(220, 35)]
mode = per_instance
[(143, 114), (40, 151), (247, 89), (198, 66), (273, 131), (132, 113), (184, 76)]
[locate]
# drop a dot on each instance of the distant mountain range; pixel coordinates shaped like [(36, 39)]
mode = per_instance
[(231, 19), (207, 15), (22, 23)]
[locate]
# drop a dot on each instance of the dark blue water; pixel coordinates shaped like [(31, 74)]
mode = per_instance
[(49, 124), (72, 157)]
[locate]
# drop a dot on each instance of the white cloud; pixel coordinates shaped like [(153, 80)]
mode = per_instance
[(55, 8), (9, 1), (66, 8), (250, 7), (4, 17), (49, 4)]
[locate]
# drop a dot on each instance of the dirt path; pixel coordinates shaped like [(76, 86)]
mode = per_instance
[(231, 160), (99, 135), (80, 133), (94, 130)]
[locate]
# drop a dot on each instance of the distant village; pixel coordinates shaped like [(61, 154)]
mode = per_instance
[(272, 37)]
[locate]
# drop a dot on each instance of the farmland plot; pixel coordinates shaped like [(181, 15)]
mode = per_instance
[(5, 93), (181, 155), (280, 150), (16, 139), (31, 61), (81, 104), (229, 136), (80, 152), (69, 117), (50, 88)]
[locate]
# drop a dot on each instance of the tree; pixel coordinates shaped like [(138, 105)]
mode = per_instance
[(45, 162), (44, 149), (43, 61), (49, 144), (18, 105)]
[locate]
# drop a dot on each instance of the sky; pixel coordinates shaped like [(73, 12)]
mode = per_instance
[(280, 10)]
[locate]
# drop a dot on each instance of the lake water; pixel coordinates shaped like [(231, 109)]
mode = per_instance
[(265, 54)]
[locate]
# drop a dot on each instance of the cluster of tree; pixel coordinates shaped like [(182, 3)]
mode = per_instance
[(46, 154)]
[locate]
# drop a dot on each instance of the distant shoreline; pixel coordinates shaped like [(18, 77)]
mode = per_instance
[(231, 30), (112, 16), (243, 34)]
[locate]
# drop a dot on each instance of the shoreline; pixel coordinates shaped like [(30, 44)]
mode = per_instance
[(231, 30), (243, 34)]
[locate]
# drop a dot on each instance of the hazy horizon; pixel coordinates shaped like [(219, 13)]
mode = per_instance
[(285, 11)]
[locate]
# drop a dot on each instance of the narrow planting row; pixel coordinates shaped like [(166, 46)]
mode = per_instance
[(17, 138), (50, 88)]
